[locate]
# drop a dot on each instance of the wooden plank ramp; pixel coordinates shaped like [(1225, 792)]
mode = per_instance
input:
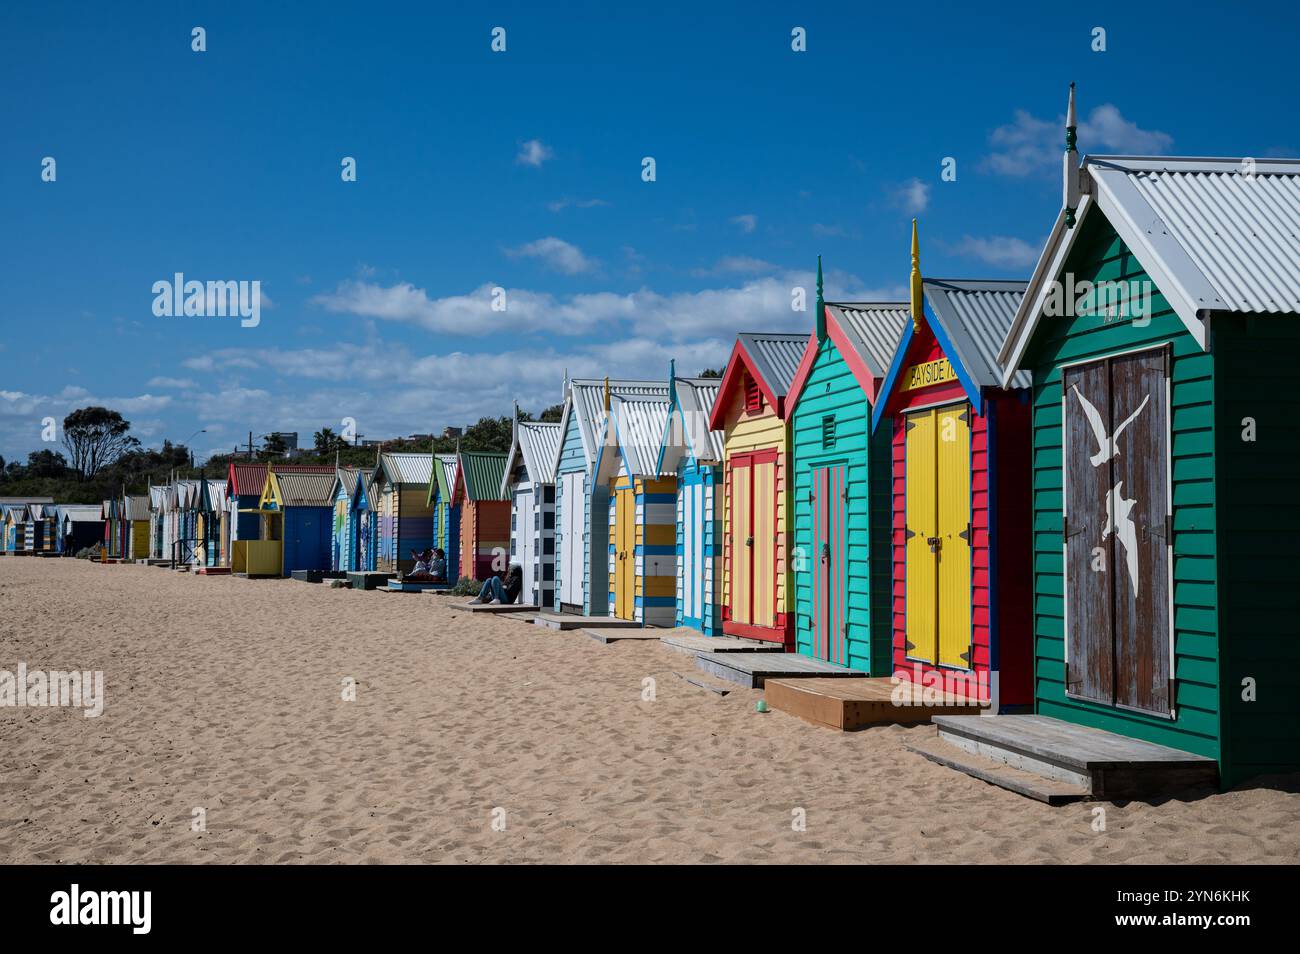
[(690, 641), (491, 609), (751, 670), (1105, 764), (602, 635), (566, 621), (849, 704), (1028, 784)]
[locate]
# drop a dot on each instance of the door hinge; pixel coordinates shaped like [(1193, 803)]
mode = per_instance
[(1067, 532), (965, 534), (908, 533), (908, 425), (908, 645)]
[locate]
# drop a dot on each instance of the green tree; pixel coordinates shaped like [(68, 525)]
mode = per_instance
[(711, 373), (552, 414), (46, 463), (96, 437), (327, 442), (274, 446)]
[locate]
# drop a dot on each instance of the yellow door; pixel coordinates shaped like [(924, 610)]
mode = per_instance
[(920, 522), (764, 549), (742, 544), (953, 458), (625, 553)]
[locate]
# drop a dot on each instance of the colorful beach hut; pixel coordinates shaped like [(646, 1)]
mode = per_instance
[(345, 485), (960, 491), (751, 412), (15, 533), (694, 453), (843, 565), (363, 541), (210, 523), (484, 513), (641, 512), (405, 515), (446, 517), (134, 527), (1164, 455), (297, 513), (157, 502), (582, 503), (81, 526), (528, 482)]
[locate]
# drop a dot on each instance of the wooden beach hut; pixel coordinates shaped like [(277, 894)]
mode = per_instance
[(694, 453), (297, 515), (484, 513), (343, 531), (112, 528), (842, 524), (582, 503), (446, 517), (15, 528), (363, 541), (211, 519), (641, 510), (1164, 449), (135, 527), (81, 526), (751, 412), (157, 503), (960, 491), (405, 515), (528, 482)]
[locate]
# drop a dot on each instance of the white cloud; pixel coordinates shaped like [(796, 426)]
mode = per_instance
[(736, 264), (555, 253), (1028, 145), (912, 196), (165, 382), (559, 205), (999, 250), (533, 153), (746, 223)]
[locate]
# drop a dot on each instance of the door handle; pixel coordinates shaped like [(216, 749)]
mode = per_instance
[(826, 552), (749, 541), (936, 543)]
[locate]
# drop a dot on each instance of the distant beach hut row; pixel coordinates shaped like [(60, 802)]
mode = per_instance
[(1076, 489)]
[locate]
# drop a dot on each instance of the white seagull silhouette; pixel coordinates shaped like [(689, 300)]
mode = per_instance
[(1120, 520), (1107, 447)]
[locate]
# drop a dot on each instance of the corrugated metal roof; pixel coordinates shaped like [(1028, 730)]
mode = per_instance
[(347, 476), (588, 403), (137, 507), (976, 316), (1238, 224), (407, 468), (248, 479), (157, 496), (305, 490), (696, 396), (81, 513), (540, 444), (444, 475), (776, 358), (482, 473), (638, 424), (873, 329), (10, 501)]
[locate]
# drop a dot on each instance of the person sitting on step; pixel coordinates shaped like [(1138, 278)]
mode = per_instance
[(496, 592)]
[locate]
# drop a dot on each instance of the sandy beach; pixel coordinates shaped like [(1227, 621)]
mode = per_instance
[(226, 695)]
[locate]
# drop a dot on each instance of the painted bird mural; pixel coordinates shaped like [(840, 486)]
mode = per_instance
[(1107, 447), (1119, 520)]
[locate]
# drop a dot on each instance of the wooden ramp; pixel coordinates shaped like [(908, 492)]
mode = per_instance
[(857, 703), (212, 570), (416, 586), (1056, 761), (693, 642), (603, 635), (575, 621), (491, 609), (753, 669)]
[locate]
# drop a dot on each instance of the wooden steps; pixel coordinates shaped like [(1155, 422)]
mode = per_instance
[(602, 635), (491, 609), (1104, 764), (1028, 784), (849, 704), (564, 621), (751, 670), (696, 643)]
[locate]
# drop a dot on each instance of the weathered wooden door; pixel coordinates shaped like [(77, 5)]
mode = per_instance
[(937, 535), (1117, 531), (624, 551), (828, 563), (741, 510)]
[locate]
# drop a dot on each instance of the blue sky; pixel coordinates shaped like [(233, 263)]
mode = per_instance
[(522, 170)]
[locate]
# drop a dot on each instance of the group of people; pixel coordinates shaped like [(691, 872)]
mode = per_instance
[(431, 567)]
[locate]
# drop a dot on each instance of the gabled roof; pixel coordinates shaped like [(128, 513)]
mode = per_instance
[(442, 479), (81, 513), (479, 473), (136, 507), (687, 429), (250, 478), (157, 497), (586, 404), (302, 490), (538, 442), (636, 428), (346, 479), (772, 360), (1215, 235), (968, 317), (866, 334), (363, 491), (405, 468)]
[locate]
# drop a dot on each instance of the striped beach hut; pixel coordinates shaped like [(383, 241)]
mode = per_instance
[(446, 516), (15, 528), (363, 539), (751, 412), (843, 566), (484, 513), (582, 503), (157, 501), (1164, 450), (528, 482), (112, 528), (212, 519), (960, 491), (405, 515), (694, 453), (641, 511), (297, 511)]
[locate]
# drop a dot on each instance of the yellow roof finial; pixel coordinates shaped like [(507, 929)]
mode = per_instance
[(916, 280), (606, 394)]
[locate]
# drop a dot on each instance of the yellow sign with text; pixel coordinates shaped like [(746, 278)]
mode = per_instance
[(924, 375)]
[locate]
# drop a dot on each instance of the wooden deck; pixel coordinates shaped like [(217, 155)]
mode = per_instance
[(1096, 763), (368, 580), (849, 704), (691, 641), (753, 669), (574, 621), (492, 609), (408, 586), (605, 635)]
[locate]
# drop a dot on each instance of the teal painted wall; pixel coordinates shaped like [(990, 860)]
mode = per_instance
[(832, 391), (1100, 255)]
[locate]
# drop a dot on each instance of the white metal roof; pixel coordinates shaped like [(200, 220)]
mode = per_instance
[(539, 443), (81, 513), (688, 430), (1215, 235), (776, 357), (587, 402), (407, 468), (976, 316), (637, 424)]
